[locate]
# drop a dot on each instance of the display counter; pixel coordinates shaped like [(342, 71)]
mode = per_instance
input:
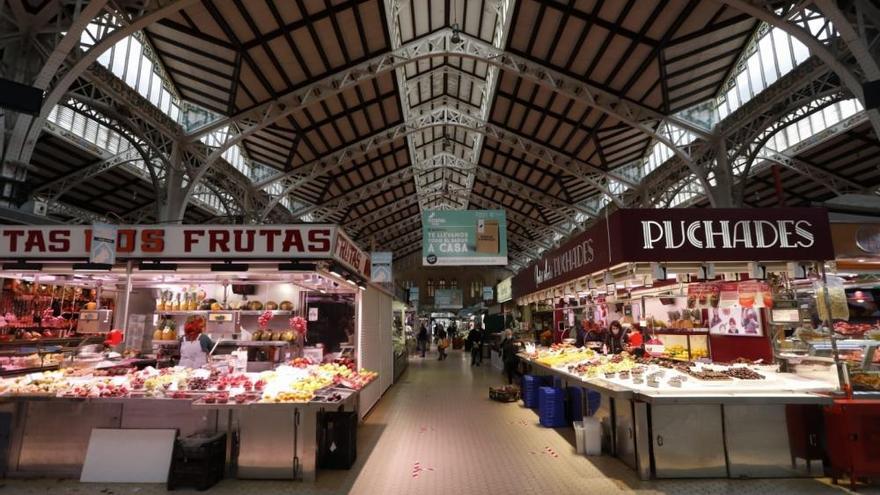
[(270, 418), (713, 427)]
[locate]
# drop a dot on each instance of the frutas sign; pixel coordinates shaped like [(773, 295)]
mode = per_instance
[(197, 242)]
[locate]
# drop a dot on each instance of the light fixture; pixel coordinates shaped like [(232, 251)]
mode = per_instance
[(362, 285), (23, 266), (156, 266), (456, 38), (92, 267), (336, 270), (228, 266), (297, 267)]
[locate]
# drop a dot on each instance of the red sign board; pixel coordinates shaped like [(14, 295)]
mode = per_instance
[(683, 235), (723, 234), (188, 242)]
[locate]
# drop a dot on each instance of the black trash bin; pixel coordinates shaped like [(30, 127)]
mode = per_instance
[(199, 461), (337, 439)]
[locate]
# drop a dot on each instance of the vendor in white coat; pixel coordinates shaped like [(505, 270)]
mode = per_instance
[(195, 345)]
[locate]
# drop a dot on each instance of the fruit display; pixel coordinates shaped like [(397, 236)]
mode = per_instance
[(562, 355), (602, 365), (284, 384)]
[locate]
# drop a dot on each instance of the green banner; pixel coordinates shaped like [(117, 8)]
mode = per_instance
[(464, 237)]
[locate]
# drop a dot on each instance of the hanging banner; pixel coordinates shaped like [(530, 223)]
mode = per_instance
[(380, 267), (464, 237), (504, 290), (103, 249), (448, 299), (413, 295)]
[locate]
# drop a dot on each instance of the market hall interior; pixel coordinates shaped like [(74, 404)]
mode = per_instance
[(394, 246), (436, 432)]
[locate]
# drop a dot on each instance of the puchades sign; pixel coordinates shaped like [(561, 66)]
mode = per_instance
[(724, 234), (464, 237), (683, 235), (188, 242)]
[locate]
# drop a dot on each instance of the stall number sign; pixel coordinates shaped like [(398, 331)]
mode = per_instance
[(103, 244), (488, 294), (313, 314)]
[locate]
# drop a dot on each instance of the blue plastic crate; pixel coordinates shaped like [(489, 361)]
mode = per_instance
[(530, 386), (551, 407), (594, 400)]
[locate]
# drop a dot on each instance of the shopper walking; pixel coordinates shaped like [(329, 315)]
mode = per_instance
[(442, 344), (508, 356), (422, 340), (475, 338)]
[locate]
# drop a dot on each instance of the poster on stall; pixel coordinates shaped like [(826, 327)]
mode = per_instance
[(464, 237), (735, 320)]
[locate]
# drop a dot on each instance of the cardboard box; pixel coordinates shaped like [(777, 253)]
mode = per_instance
[(488, 237)]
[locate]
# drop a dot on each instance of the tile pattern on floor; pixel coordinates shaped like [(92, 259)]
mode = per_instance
[(436, 433)]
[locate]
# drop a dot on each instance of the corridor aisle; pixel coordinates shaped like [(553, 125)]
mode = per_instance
[(436, 433)]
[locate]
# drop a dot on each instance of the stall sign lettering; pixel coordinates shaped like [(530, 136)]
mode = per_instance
[(202, 242), (724, 234)]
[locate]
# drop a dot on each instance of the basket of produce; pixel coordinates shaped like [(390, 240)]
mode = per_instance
[(507, 393)]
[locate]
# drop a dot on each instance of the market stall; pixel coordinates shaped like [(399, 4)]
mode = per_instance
[(703, 395), (282, 307)]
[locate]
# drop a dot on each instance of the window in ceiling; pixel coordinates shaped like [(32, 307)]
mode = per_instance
[(132, 61), (773, 54)]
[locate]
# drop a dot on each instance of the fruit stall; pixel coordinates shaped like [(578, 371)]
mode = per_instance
[(292, 318), (707, 395)]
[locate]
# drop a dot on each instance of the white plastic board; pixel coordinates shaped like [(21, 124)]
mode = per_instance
[(128, 456)]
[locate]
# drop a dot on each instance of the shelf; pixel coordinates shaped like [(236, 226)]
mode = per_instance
[(242, 312), (41, 342), (27, 371), (165, 342), (188, 313), (275, 312), (253, 343)]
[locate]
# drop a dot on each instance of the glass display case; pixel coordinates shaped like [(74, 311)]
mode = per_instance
[(684, 345)]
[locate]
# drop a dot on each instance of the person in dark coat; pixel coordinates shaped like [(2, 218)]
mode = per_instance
[(475, 338), (422, 340), (508, 356)]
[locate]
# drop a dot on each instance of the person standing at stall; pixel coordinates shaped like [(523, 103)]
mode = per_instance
[(422, 339), (195, 345), (616, 339)]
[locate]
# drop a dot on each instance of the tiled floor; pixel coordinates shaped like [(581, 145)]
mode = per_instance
[(437, 433)]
